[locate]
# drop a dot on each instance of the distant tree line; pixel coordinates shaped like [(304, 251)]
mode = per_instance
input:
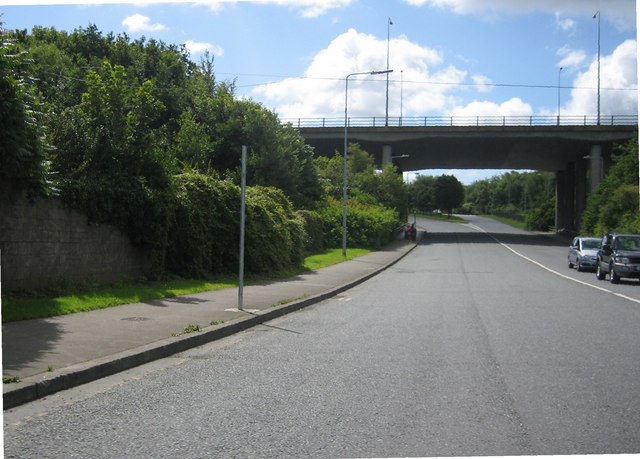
[(444, 193), (524, 196), (134, 134)]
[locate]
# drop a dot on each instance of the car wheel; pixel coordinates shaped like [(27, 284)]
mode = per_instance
[(599, 274), (613, 276), (570, 264)]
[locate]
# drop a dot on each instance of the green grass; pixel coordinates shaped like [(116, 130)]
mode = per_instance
[(332, 257), (443, 217), (21, 307), (80, 299), (509, 221)]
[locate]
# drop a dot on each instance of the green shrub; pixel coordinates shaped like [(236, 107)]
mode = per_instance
[(620, 211), (368, 226), (314, 227), (275, 235), (600, 213), (205, 230), (543, 217), (204, 236)]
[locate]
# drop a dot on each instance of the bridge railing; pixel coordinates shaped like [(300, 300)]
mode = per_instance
[(420, 121)]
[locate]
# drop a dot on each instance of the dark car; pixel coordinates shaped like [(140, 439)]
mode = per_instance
[(583, 252), (619, 256)]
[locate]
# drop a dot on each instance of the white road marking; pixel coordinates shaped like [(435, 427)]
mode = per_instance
[(477, 228)]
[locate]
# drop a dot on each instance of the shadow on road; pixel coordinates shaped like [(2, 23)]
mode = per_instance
[(466, 237)]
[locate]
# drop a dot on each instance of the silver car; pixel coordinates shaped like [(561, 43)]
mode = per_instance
[(583, 252)]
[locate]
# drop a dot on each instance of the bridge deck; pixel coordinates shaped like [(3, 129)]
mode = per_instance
[(537, 147)]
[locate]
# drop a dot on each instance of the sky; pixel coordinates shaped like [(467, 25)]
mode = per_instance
[(449, 57)]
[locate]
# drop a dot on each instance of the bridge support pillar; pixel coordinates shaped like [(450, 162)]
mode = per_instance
[(595, 167), (387, 155), (565, 198), (581, 190)]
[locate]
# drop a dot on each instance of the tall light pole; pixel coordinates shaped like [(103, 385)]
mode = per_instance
[(594, 16), (386, 117), (401, 93), (415, 203), (559, 72), (344, 164)]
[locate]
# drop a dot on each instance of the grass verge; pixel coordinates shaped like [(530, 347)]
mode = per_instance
[(509, 221), (443, 217), (80, 299), (332, 257)]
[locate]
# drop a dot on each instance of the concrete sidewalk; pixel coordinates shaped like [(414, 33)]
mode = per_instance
[(49, 355)]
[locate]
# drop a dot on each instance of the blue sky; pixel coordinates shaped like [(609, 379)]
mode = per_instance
[(450, 57)]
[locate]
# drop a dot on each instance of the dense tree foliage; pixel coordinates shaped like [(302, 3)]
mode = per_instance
[(448, 193), (421, 193), (525, 196), (377, 199), (366, 184), (444, 193), (147, 140), (614, 205), (23, 143)]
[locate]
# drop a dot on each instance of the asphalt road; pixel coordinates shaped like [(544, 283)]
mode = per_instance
[(480, 342)]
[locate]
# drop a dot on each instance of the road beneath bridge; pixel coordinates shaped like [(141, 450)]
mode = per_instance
[(580, 155), (481, 342)]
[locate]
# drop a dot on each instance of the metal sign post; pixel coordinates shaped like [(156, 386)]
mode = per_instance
[(242, 209)]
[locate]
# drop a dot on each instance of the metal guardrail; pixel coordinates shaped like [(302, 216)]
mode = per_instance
[(421, 121)]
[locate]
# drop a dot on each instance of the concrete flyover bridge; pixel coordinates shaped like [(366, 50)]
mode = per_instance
[(577, 148)]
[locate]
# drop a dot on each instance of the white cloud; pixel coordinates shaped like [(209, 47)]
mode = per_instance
[(308, 8), (489, 112), (566, 24), (618, 85), (195, 47), (311, 8), (571, 58), (620, 12), (483, 83), (424, 86), (140, 23)]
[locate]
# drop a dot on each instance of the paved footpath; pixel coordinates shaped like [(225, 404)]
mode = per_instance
[(49, 355)]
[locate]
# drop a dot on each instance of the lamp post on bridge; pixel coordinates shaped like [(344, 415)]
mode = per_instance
[(344, 164), (386, 116), (559, 72), (594, 16)]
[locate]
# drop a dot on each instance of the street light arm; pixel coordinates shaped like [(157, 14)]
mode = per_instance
[(373, 72)]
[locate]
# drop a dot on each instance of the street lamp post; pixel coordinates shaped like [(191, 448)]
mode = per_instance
[(559, 72), (386, 116), (401, 93), (344, 164), (415, 204), (594, 16)]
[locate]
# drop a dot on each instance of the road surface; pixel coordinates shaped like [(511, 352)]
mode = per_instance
[(480, 342)]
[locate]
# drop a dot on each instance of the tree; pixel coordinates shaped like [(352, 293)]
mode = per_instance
[(109, 163), (520, 195), (421, 193), (612, 206), (366, 184), (391, 191), (23, 144), (448, 193)]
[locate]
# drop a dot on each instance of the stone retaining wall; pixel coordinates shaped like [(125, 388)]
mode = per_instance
[(43, 242)]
